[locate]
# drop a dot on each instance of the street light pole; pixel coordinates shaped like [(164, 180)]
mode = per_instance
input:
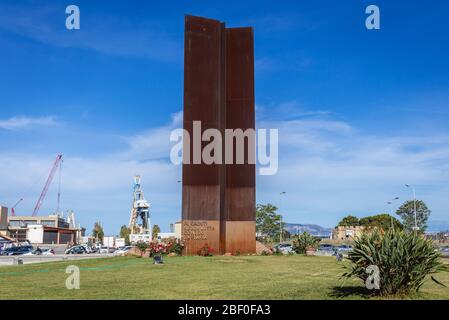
[(414, 207), (389, 203), (280, 225)]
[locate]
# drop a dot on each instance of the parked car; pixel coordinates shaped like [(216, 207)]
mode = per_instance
[(104, 250), (284, 248), (47, 251), (17, 251), (76, 250), (93, 249), (123, 250), (344, 248), (41, 251), (444, 249), (87, 248), (326, 247)]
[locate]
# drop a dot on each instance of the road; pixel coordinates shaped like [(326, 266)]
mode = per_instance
[(12, 260)]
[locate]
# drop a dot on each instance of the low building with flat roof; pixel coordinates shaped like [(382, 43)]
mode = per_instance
[(347, 232), (50, 221), (51, 229)]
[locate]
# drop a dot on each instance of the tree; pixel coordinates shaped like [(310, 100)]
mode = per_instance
[(156, 231), (305, 241), (268, 223), (349, 221), (124, 233), (381, 221), (98, 232), (407, 214)]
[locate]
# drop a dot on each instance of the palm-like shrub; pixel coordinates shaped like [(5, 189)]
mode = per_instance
[(404, 260), (304, 241)]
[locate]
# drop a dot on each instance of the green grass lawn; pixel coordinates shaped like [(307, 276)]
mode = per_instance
[(242, 277)]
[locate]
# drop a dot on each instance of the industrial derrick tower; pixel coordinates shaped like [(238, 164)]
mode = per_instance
[(139, 221)]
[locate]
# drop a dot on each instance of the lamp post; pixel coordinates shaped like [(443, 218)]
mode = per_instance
[(389, 203), (416, 228), (280, 225)]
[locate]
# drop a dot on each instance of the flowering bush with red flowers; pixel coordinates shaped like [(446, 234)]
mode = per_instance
[(157, 248), (206, 251), (174, 246)]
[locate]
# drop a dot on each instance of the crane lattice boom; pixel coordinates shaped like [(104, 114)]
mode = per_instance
[(47, 184)]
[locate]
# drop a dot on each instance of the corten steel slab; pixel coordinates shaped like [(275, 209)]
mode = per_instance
[(219, 92), (203, 101), (240, 236), (240, 114), (203, 90)]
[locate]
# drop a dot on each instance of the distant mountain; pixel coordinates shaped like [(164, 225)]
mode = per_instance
[(313, 229), (316, 230)]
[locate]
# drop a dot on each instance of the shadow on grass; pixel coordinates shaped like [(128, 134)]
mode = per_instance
[(351, 292)]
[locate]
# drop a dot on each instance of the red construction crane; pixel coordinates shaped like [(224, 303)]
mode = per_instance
[(47, 185), (13, 213)]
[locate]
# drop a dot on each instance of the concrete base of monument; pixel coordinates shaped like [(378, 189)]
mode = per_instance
[(239, 236), (197, 233)]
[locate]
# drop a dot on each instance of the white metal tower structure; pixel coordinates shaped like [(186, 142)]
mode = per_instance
[(139, 221), (71, 219)]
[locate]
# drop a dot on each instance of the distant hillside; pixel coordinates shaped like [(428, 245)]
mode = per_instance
[(316, 230), (313, 229)]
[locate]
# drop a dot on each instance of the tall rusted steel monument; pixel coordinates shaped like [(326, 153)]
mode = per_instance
[(218, 200)]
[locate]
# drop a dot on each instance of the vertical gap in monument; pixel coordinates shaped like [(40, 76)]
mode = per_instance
[(223, 200)]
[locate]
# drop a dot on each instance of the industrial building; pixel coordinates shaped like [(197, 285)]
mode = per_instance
[(51, 229)]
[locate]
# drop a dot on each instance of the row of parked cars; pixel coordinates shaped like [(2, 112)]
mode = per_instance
[(329, 248), (26, 251), (85, 249), (288, 248)]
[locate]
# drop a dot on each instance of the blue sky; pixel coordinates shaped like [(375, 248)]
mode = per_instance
[(360, 113)]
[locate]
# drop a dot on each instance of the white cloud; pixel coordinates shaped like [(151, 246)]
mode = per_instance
[(19, 122), (99, 32), (153, 143), (328, 168), (100, 187), (95, 188), (287, 110)]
